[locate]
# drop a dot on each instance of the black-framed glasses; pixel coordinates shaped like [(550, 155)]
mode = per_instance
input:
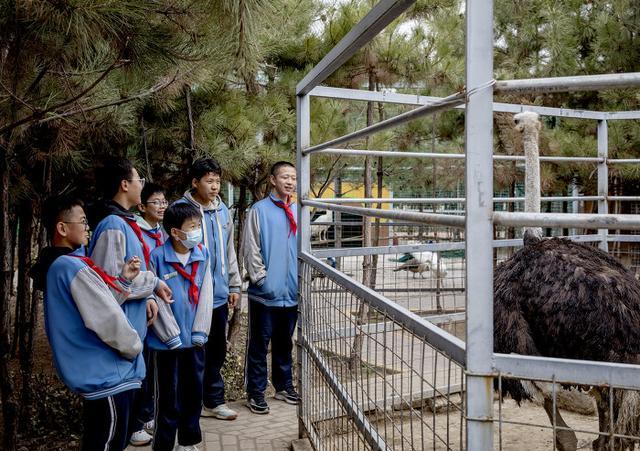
[(158, 203), (83, 222), (141, 180)]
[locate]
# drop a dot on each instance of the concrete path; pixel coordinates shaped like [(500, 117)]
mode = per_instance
[(249, 432)]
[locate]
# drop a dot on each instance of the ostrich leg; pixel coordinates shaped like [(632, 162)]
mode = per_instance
[(565, 440)]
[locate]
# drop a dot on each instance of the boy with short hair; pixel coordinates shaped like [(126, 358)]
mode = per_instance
[(181, 330), (270, 256), (151, 212), (95, 348), (217, 227), (116, 239), (152, 207)]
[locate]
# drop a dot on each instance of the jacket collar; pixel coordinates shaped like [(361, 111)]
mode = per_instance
[(170, 256), (215, 205), (114, 208)]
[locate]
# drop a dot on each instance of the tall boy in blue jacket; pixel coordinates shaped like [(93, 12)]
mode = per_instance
[(270, 257), (116, 239), (95, 348), (217, 230), (181, 330)]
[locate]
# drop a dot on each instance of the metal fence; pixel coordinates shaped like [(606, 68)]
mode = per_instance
[(377, 371)]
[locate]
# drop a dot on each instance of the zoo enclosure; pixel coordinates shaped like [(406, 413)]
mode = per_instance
[(407, 365)]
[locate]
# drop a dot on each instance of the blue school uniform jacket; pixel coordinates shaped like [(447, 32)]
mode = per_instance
[(113, 243), (182, 324), (270, 254), (96, 350), (147, 230), (217, 236)]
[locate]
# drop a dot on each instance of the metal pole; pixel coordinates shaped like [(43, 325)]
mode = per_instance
[(568, 84), (603, 179), (444, 105), (479, 226), (304, 235)]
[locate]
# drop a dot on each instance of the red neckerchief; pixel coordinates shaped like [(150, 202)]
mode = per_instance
[(293, 227), (156, 236), (109, 280), (194, 293), (138, 231)]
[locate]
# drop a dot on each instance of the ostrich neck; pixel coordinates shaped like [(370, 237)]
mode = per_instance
[(532, 172)]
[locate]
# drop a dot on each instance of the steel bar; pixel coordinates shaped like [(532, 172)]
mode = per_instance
[(603, 178), (417, 99), (433, 108), (443, 341), (583, 220), (455, 200), (479, 226), (382, 14), (569, 84), (411, 216), (623, 160), (566, 370), (447, 156), (348, 403), (622, 115)]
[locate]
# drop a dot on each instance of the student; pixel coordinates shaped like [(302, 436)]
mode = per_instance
[(152, 207), (182, 329), (270, 257), (95, 348), (118, 238), (217, 227)]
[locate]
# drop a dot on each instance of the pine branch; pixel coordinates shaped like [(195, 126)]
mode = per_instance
[(37, 114), (154, 89), (15, 97)]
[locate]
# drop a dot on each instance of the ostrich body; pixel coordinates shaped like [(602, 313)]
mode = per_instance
[(419, 265), (559, 298), (319, 231)]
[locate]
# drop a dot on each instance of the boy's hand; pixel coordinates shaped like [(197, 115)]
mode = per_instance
[(233, 299), (152, 311), (164, 292), (131, 269)]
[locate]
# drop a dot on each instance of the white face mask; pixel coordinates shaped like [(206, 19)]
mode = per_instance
[(193, 238)]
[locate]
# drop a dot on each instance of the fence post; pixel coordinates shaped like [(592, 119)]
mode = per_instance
[(603, 178), (479, 225), (304, 233)]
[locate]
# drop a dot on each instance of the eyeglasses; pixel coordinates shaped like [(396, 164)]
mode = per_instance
[(158, 203), (141, 180), (83, 222)]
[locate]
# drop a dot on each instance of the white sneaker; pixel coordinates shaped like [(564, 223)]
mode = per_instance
[(150, 426), (187, 448), (140, 438), (221, 412)]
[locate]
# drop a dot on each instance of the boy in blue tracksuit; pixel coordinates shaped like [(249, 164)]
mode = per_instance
[(179, 334), (217, 227), (151, 212), (116, 239), (95, 348), (270, 257)]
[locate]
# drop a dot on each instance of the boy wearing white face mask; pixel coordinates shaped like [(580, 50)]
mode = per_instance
[(181, 330)]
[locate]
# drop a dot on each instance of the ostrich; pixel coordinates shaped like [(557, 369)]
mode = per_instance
[(419, 265), (320, 230), (558, 298)]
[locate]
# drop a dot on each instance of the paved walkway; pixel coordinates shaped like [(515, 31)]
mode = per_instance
[(249, 432)]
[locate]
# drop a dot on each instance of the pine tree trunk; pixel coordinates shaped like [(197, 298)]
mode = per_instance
[(9, 404), (367, 264), (24, 299), (233, 333)]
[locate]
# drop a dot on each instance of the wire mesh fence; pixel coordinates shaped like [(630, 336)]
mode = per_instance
[(370, 380)]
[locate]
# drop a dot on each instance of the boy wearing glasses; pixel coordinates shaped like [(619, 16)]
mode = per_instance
[(117, 239), (151, 213), (95, 348), (217, 229)]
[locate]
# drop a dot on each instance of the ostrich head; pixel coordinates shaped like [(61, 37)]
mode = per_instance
[(528, 124)]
